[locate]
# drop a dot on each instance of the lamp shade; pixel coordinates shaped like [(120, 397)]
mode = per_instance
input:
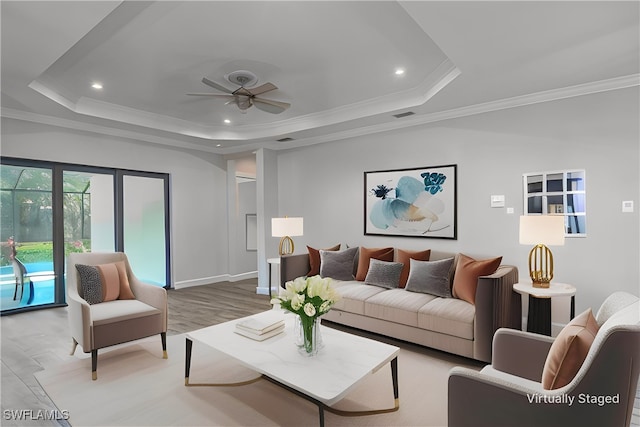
[(281, 227), (542, 229)]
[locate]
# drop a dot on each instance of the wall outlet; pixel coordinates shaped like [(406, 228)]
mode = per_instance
[(627, 206), (510, 211)]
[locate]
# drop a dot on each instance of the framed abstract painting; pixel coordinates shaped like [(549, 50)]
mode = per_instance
[(419, 202)]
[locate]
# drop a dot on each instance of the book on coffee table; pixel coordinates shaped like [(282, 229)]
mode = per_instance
[(260, 337), (261, 327)]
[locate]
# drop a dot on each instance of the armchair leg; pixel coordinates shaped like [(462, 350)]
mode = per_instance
[(94, 364), (73, 347), (163, 337)]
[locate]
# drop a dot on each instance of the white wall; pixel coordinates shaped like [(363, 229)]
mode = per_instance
[(598, 133), (324, 184), (198, 188)]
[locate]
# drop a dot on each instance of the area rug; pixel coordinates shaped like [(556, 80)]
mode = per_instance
[(136, 387)]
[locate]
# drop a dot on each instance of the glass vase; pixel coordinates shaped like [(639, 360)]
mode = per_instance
[(308, 338)]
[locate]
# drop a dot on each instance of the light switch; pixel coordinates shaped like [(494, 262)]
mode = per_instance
[(510, 211), (497, 201), (627, 206)]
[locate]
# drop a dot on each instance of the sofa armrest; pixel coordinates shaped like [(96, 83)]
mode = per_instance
[(520, 353), (79, 319), (293, 266), (155, 296), (478, 400), (497, 306)]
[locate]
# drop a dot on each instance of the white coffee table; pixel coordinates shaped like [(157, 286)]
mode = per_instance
[(343, 362)]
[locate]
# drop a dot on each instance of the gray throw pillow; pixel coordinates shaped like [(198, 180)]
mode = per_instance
[(90, 283), (385, 274), (338, 265), (430, 277)]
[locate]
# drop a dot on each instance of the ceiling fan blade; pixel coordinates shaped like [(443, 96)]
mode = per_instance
[(211, 94), (242, 91), (267, 87), (270, 106), (215, 85)]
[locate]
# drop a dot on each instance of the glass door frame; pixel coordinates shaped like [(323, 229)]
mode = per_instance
[(57, 196), (119, 206)]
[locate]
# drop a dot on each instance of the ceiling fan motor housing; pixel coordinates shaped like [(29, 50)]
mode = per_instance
[(242, 78)]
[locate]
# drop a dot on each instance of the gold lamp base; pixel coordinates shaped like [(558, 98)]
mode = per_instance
[(540, 266), (286, 246)]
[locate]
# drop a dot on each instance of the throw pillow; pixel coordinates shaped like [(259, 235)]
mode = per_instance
[(90, 283), (465, 280), (338, 265), (430, 277), (568, 351), (125, 287), (385, 274), (314, 259), (110, 280), (404, 257), (383, 254)]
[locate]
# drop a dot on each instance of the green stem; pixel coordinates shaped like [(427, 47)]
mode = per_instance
[(308, 324)]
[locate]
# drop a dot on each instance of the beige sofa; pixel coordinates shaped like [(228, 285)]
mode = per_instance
[(448, 324)]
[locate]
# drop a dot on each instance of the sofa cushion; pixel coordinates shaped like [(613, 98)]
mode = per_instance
[(314, 259), (397, 305), (466, 276), (353, 294), (110, 280), (120, 310), (90, 283), (449, 316), (338, 265), (383, 254), (430, 277), (383, 273), (569, 350), (613, 304), (125, 287), (404, 257)]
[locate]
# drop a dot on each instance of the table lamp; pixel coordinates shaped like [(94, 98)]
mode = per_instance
[(541, 230), (285, 228)]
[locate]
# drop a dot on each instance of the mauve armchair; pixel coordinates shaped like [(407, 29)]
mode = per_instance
[(96, 326), (509, 392)]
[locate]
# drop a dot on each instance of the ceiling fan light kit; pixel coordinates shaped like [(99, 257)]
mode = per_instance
[(245, 96)]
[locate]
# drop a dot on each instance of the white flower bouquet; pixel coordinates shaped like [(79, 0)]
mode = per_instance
[(309, 298)]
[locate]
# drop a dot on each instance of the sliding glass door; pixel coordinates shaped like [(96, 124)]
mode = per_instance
[(145, 232), (49, 210), (26, 266), (89, 213)]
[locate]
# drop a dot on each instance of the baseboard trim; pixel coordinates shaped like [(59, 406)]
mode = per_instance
[(216, 279)]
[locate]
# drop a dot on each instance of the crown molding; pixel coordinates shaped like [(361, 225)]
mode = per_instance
[(432, 84), (487, 107), (514, 102), (101, 130)]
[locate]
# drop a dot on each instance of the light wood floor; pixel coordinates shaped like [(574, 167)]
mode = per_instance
[(34, 340)]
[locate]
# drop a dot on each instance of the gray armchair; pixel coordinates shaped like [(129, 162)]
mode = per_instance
[(114, 322), (509, 391)]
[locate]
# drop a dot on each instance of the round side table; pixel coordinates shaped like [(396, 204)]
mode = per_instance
[(539, 314)]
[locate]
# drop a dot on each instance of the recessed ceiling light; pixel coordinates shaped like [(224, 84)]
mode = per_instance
[(218, 145), (399, 71), (96, 85), (227, 121)]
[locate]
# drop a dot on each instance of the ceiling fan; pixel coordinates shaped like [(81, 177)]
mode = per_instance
[(244, 97)]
